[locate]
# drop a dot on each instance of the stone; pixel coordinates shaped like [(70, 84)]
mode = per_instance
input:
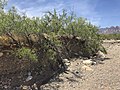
[(78, 38), (87, 62), (26, 88), (67, 62), (87, 68), (29, 77), (5, 86), (100, 55), (1, 54), (35, 86)]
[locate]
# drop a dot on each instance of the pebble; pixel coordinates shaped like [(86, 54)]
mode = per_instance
[(87, 68), (100, 55), (88, 62), (66, 61), (1, 54), (5, 86), (29, 77), (26, 88)]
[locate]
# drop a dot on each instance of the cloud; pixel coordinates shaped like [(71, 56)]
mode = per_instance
[(37, 7), (83, 8), (40, 10), (95, 20), (87, 9)]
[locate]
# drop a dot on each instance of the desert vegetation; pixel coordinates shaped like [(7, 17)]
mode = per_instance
[(110, 36), (39, 45)]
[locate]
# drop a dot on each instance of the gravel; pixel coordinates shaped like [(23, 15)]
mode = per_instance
[(104, 76)]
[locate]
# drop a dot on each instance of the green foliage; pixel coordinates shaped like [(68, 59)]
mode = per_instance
[(66, 25), (2, 4), (53, 25), (52, 57), (26, 53), (110, 36)]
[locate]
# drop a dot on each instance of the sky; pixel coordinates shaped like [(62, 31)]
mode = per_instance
[(102, 13)]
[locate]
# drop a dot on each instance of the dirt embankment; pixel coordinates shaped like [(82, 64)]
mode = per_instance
[(103, 76)]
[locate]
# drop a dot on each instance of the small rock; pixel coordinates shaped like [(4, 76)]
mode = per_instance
[(88, 62), (5, 86), (35, 86), (100, 55), (94, 63), (1, 54), (78, 38), (67, 64), (26, 88), (66, 61), (86, 68), (29, 77)]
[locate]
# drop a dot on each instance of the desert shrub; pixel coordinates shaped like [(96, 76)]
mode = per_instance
[(110, 36), (43, 35), (26, 53), (52, 24), (69, 25)]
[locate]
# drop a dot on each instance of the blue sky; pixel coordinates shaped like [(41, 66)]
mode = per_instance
[(103, 13)]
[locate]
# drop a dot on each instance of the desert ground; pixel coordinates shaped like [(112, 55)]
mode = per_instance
[(102, 76)]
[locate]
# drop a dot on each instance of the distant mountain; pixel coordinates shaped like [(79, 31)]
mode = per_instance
[(110, 30)]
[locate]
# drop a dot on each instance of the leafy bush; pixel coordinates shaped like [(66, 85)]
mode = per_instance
[(26, 53), (110, 36), (43, 35)]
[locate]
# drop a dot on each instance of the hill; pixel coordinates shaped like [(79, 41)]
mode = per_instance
[(110, 30)]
